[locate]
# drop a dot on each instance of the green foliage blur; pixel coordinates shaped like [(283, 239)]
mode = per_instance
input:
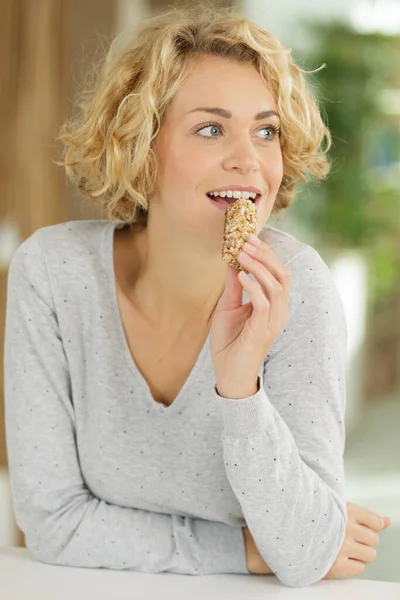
[(358, 205)]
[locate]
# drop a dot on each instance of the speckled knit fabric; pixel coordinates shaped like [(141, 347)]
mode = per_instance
[(104, 476)]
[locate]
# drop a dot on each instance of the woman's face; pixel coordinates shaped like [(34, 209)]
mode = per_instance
[(236, 150)]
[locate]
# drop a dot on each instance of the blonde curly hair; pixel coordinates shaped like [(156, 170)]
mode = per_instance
[(109, 148)]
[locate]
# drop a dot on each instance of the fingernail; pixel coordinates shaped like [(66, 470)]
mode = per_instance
[(254, 239), (249, 248)]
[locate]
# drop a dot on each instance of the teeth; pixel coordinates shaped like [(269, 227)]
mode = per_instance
[(235, 194)]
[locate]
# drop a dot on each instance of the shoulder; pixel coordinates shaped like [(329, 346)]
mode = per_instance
[(71, 234), (71, 239), (285, 245), (74, 235), (60, 252), (295, 254), (288, 248), (312, 286)]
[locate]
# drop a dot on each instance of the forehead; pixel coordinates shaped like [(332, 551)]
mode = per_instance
[(217, 81)]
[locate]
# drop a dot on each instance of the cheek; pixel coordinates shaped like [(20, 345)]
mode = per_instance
[(275, 170), (178, 162), (189, 165), (175, 168)]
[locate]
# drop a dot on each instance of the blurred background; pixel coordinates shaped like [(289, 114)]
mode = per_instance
[(352, 219)]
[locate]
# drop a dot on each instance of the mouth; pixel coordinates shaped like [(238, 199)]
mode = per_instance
[(228, 201)]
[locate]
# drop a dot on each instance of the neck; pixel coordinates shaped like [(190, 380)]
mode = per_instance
[(178, 279)]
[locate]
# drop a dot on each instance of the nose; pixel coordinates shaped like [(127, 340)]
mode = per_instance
[(243, 156)]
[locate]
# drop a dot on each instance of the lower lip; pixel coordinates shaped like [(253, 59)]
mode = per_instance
[(223, 204)]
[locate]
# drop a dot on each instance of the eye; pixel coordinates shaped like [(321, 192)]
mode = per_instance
[(208, 126), (273, 129)]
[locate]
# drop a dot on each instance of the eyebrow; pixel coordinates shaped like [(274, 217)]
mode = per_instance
[(228, 115)]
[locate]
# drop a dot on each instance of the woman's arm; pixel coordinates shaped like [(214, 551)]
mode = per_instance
[(64, 523), (283, 447), (358, 548), (254, 561)]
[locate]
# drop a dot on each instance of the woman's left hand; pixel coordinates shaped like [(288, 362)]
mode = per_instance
[(357, 549), (242, 334)]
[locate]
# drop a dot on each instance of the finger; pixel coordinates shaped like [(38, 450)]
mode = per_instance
[(259, 243), (259, 318), (388, 522), (275, 293), (361, 552), (231, 297), (264, 276), (269, 259), (354, 567), (366, 517), (273, 266), (365, 535)]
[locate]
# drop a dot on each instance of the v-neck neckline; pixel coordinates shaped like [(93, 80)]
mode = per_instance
[(152, 404)]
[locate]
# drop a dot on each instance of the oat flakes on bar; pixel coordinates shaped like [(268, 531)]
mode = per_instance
[(240, 221)]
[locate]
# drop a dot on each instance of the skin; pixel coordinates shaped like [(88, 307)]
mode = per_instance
[(242, 334), (178, 275), (357, 550)]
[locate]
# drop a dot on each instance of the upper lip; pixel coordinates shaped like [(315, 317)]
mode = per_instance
[(241, 188)]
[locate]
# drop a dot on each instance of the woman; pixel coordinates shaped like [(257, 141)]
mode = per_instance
[(154, 422)]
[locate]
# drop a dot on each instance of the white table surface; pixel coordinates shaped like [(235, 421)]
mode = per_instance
[(22, 577)]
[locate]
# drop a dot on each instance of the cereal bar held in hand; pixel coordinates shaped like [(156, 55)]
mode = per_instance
[(240, 221)]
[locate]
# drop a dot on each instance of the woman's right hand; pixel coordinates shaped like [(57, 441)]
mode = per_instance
[(255, 563), (357, 549)]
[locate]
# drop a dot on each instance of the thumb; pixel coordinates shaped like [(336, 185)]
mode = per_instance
[(232, 295)]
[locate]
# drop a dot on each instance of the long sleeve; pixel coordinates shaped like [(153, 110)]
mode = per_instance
[(283, 447), (63, 521)]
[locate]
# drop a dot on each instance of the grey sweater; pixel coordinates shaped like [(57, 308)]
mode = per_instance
[(104, 476)]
